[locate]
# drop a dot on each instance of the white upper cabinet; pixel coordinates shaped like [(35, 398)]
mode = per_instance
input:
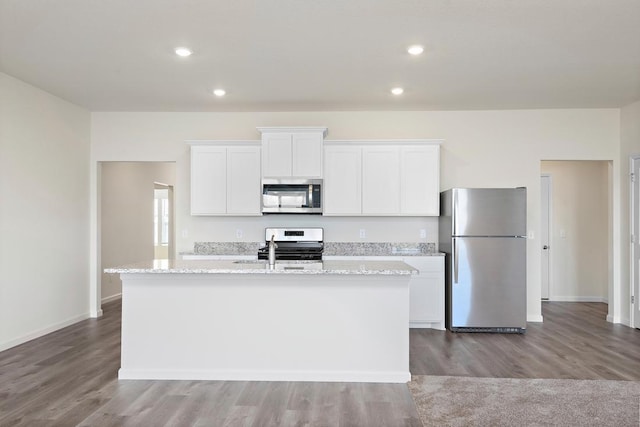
[(225, 178), (420, 180), (292, 152), (277, 154), (382, 178), (208, 180), (342, 181), (243, 181)]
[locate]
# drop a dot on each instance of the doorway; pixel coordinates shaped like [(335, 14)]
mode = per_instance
[(163, 240), (127, 228), (545, 233), (575, 199), (634, 225)]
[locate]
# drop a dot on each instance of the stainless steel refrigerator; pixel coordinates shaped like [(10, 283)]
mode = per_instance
[(482, 232)]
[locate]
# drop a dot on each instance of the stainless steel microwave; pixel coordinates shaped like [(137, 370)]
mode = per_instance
[(292, 196)]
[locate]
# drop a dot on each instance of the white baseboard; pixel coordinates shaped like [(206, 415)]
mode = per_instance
[(427, 325), (534, 318), (41, 332), (111, 298), (95, 314), (266, 375), (577, 299)]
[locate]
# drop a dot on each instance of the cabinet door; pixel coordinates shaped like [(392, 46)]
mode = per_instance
[(420, 180), (243, 180), (307, 154), (426, 292), (208, 180), (276, 154), (381, 180), (342, 181)]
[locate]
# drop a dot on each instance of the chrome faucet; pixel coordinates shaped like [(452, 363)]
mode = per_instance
[(272, 251)]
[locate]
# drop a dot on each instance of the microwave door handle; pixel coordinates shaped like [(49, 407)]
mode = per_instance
[(310, 201)]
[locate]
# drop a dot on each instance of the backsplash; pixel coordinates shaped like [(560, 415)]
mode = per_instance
[(381, 248), (330, 248), (226, 248)]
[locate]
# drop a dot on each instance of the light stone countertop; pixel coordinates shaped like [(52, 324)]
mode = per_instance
[(330, 249), (261, 267)]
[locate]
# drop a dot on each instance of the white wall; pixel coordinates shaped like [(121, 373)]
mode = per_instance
[(127, 215), (629, 145), (579, 241), (481, 149), (44, 212)]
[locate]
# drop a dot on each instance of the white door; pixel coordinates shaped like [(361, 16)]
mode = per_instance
[(635, 230), (545, 225)]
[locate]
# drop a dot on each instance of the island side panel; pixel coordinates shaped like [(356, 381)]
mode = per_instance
[(266, 327)]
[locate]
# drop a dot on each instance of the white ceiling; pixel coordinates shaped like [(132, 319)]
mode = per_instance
[(290, 55)]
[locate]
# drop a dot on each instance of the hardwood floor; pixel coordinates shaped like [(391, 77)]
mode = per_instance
[(575, 341), (69, 377)]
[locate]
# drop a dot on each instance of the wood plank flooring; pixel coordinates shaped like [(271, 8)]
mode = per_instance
[(574, 341), (69, 377)]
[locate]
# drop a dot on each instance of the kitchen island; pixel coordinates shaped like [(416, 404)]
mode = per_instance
[(244, 320)]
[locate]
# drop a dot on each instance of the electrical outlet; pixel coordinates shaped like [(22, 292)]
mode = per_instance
[(185, 233), (238, 233), (363, 233), (423, 233)]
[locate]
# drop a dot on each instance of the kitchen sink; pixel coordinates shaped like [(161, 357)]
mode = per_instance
[(287, 262), (284, 264), (250, 261)]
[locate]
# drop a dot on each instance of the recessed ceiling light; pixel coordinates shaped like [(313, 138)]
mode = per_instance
[(397, 91), (183, 51), (219, 92), (415, 50)]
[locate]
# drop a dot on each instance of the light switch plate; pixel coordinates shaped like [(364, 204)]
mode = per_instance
[(363, 233)]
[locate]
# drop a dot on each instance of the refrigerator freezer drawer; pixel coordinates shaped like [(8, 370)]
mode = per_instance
[(486, 286)]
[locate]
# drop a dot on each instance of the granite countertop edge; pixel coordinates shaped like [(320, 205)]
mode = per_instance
[(228, 267)]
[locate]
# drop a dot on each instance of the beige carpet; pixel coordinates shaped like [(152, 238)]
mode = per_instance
[(465, 401)]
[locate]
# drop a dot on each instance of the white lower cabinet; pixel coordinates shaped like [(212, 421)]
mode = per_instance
[(426, 289), (426, 300)]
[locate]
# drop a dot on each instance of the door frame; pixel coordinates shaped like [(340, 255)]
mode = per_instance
[(549, 231), (634, 269), (169, 188)]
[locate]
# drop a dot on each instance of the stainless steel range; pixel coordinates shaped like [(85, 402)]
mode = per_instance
[(294, 243)]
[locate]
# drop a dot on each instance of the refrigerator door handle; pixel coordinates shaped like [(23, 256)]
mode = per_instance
[(455, 262), (454, 214)]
